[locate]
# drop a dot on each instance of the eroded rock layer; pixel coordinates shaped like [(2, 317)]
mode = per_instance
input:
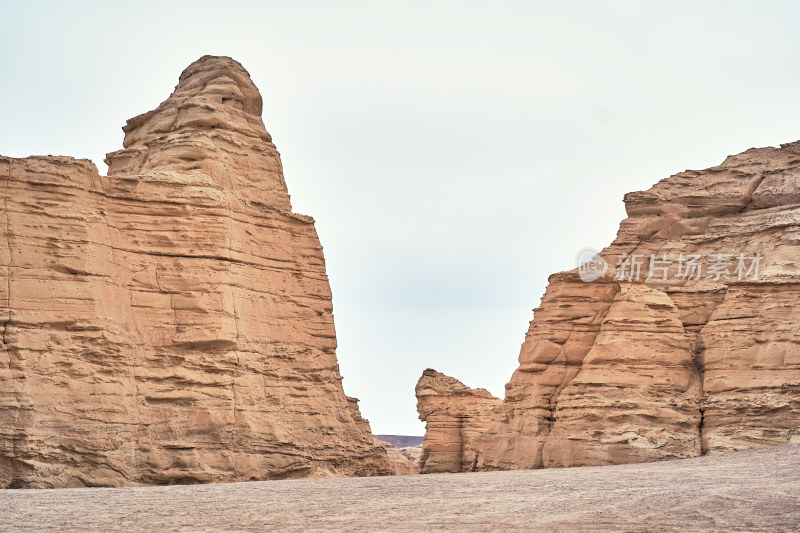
[(689, 344), (403, 463), (170, 322), (454, 414)]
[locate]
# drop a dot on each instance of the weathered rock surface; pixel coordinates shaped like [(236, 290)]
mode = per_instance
[(454, 414), (412, 453), (409, 446), (687, 357), (402, 463), (171, 322)]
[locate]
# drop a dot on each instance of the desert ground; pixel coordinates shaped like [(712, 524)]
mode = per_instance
[(753, 490)]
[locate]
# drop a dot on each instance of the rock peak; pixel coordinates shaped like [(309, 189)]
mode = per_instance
[(211, 63), (432, 382), (202, 130), (213, 93), (221, 71)]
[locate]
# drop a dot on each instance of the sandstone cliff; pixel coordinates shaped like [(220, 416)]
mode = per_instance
[(689, 344), (454, 414), (171, 322)]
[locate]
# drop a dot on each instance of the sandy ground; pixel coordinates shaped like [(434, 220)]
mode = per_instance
[(744, 491)]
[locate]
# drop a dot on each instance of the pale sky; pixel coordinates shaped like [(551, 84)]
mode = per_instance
[(453, 154)]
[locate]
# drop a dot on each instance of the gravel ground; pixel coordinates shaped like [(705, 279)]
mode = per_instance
[(754, 490)]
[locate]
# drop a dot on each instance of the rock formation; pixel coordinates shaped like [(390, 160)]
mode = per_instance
[(454, 414), (171, 322), (404, 464), (689, 344), (412, 453)]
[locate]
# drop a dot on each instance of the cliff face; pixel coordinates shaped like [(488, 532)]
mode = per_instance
[(454, 414), (689, 344), (171, 322)]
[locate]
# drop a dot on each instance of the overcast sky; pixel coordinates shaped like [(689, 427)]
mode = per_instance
[(453, 154)]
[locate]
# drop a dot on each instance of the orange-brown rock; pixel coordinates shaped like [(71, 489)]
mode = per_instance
[(454, 414), (170, 322), (403, 463), (698, 353)]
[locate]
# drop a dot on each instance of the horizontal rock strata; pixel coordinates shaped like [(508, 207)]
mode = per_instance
[(687, 345), (170, 322), (454, 414)]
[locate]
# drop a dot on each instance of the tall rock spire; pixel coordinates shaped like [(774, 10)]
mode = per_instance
[(172, 322)]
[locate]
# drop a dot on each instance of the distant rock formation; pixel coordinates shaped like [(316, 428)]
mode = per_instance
[(454, 414), (403, 462), (172, 322), (688, 344), (412, 453)]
